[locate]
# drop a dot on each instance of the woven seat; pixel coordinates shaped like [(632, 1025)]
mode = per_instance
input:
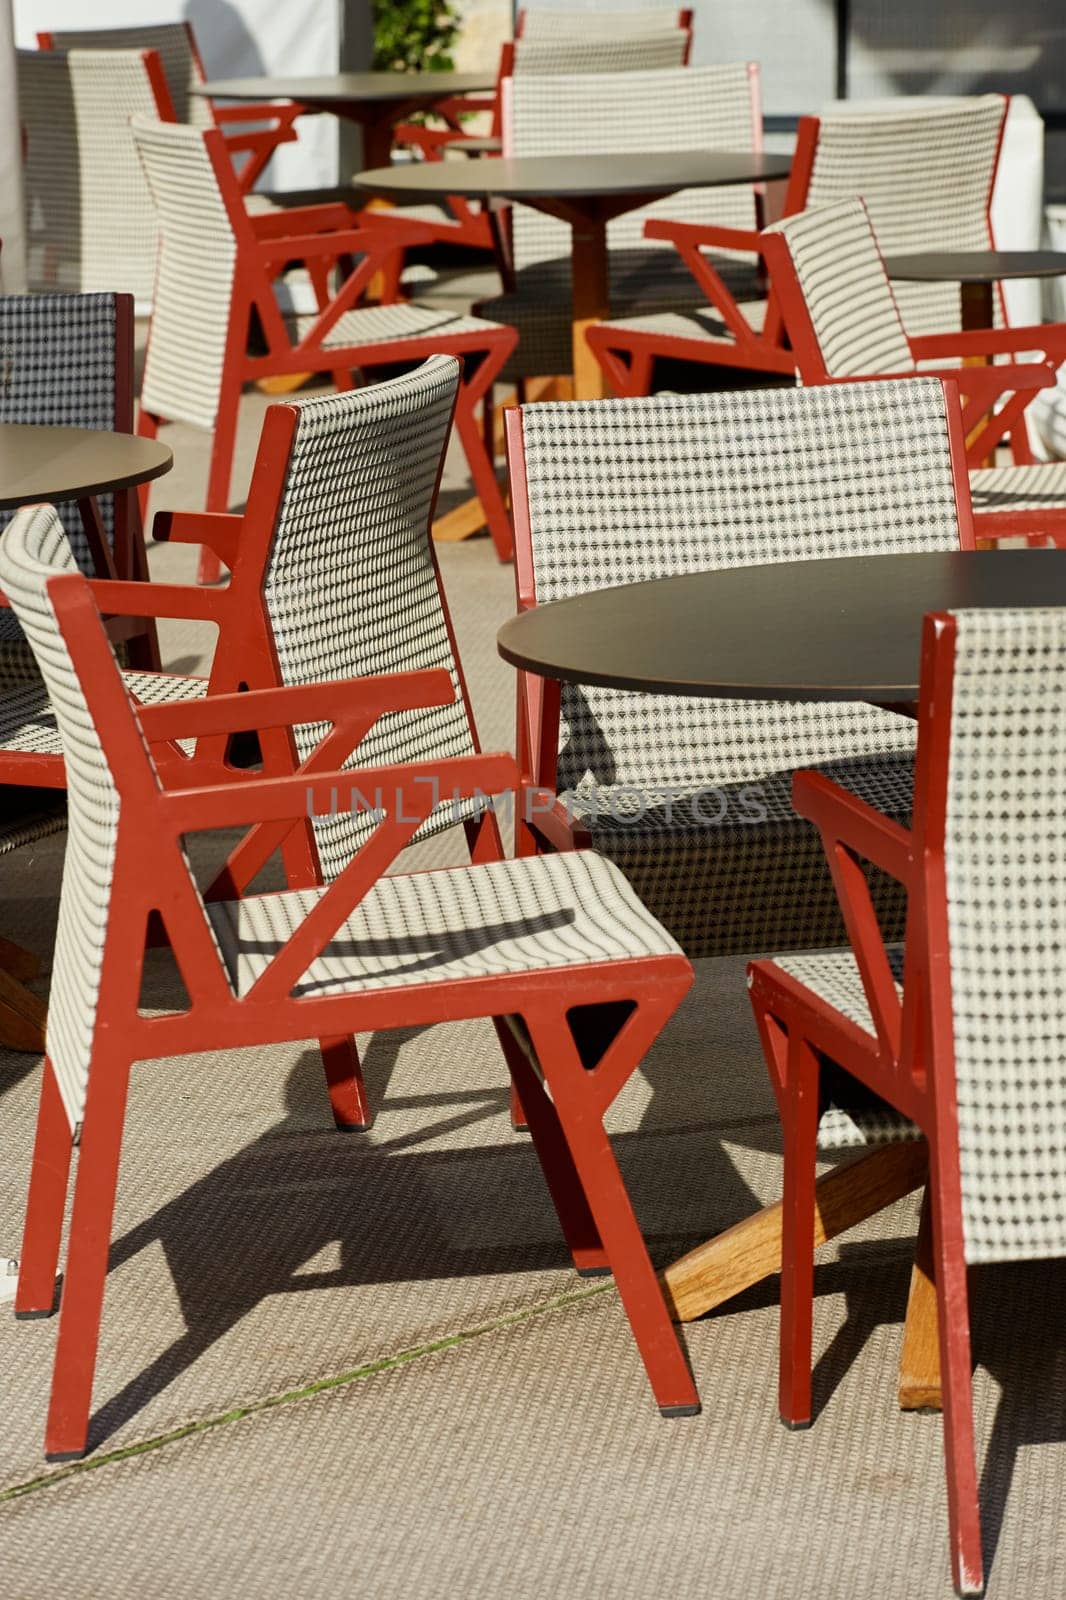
[(441, 927), (690, 796), (704, 108), (28, 723), (1022, 488), (388, 324)]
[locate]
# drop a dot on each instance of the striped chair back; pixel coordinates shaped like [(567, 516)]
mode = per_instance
[(352, 587), (90, 220), (847, 294), (1004, 855), (174, 44), (564, 22), (622, 53), (926, 175), (628, 490), (695, 108)]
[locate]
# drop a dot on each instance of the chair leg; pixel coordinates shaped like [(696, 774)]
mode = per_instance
[(344, 1078), (486, 486), (800, 1119), (35, 1296), (964, 1520), (66, 1434), (557, 1164), (623, 1243), (147, 428), (221, 471)]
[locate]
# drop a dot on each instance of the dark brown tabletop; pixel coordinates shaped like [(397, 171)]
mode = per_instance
[(558, 177), (362, 86), (847, 629), (975, 266), (46, 463)]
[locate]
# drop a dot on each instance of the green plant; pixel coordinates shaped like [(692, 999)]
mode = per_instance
[(414, 35)]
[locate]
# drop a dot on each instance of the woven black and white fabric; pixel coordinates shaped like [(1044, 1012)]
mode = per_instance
[(33, 550), (691, 796), (57, 366), (1004, 849), (697, 108), (90, 223), (1039, 486), (173, 43), (536, 914), (611, 52), (563, 22), (846, 290), (850, 1114), (28, 724), (351, 587), (926, 174)]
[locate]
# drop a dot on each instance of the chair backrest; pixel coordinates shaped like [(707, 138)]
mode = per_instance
[(835, 295), (609, 53), (34, 550), (351, 583), (926, 175), (67, 359), (562, 22), (624, 490), (173, 42), (694, 108), (90, 220), (198, 248), (1004, 842)]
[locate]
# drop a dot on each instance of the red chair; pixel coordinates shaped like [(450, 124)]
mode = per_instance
[(958, 1033), (215, 289), (925, 173), (577, 976)]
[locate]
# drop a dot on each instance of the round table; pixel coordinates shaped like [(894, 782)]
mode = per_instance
[(42, 462), (376, 100), (585, 191), (977, 272), (837, 629)]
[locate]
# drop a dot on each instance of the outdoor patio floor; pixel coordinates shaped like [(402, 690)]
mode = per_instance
[(362, 1365)]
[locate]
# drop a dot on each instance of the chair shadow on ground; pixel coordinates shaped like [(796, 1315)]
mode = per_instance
[(396, 1211)]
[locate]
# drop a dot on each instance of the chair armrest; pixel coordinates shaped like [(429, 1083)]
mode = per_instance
[(220, 531), (119, 597), (1048, 337), (288, 705), (702, 236), (839, 814), (422, 786), (327, 217), (260, 139)]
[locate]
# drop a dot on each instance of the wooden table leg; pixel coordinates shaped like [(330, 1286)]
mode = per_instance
[(751, 1250), (919, 1359), (22, 1014), (977, 305), (591, 302)]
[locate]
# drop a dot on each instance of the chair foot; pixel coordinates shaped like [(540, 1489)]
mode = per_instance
[(795, 1427), (593, 1272), (34, 1316), (680, 1411), (355, 1127), (65, 1455)]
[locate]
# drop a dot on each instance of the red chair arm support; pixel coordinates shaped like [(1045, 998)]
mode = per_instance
[(704, 236), (259, 111), (133, 599), (302, 219), (286, 706), (839, 814), (1048, 337), (262, 139), (544, 813), (219, 530), (423, 785)]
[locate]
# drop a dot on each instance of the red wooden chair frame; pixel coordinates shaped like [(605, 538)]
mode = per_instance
[(321, 236), (627, 357), (257, 143), (150, 879), (910, 1064), (1011, 386)]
